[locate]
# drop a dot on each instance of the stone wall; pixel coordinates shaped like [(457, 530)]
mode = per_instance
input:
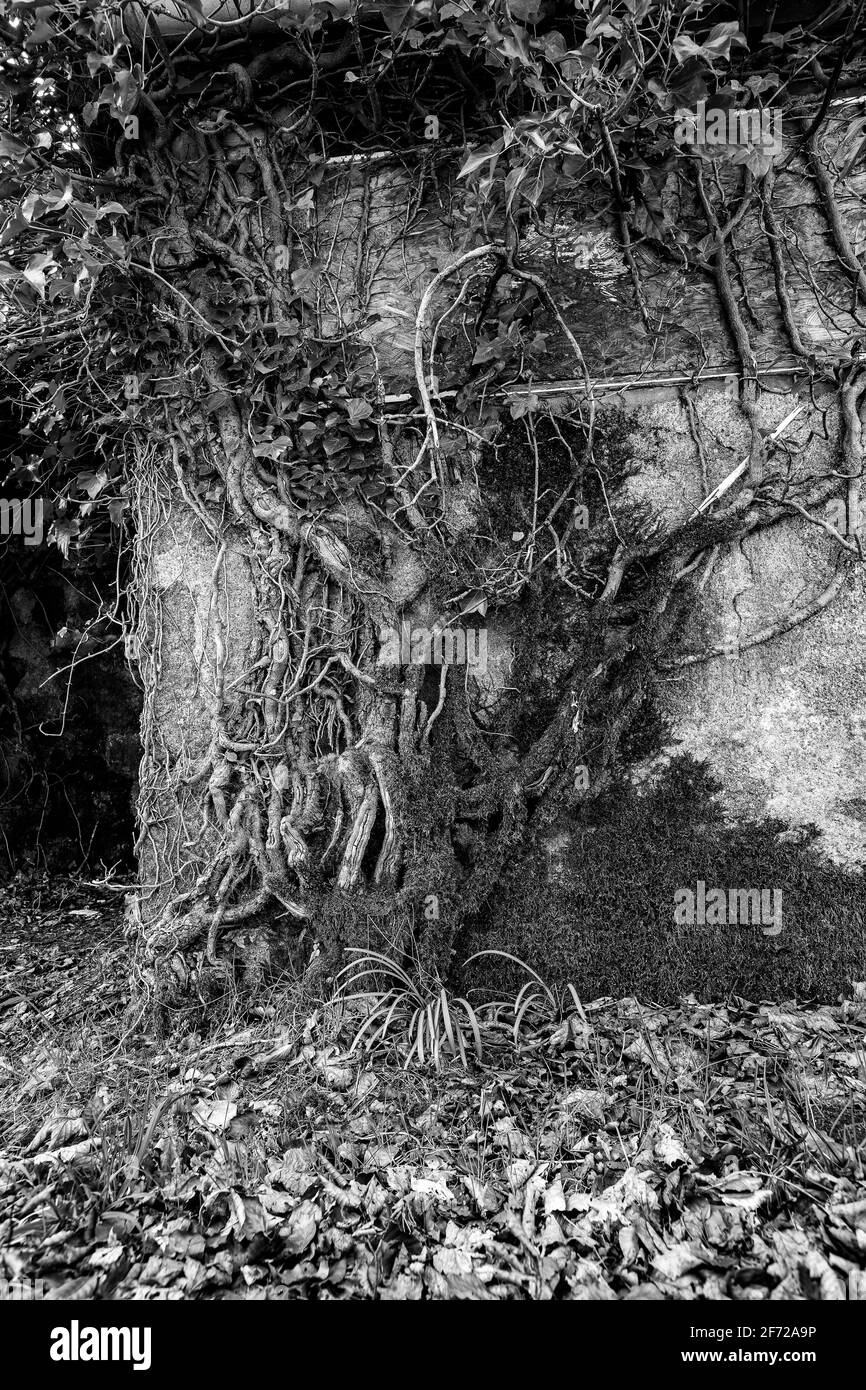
[(783, 724)]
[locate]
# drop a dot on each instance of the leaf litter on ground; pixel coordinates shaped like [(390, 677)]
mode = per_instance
[(605, 1150)]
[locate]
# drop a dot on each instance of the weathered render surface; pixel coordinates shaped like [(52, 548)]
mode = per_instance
[(188, 589), (783, 724)]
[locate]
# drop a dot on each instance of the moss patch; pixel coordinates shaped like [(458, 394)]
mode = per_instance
[(599, 911)]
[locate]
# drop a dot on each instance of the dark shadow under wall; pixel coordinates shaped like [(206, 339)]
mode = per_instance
[(594, 905), (69, 742)]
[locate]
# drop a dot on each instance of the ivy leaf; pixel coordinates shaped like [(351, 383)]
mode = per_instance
[(480, 157), (717, 44), (722, 36), (490, 350), (525, 10), (524, 405), (273, 448), (358, 410), (514, 46), (42, 32), (12, 148), (63, 532), (92, 483), (34, 271), (125, 93), (95, 61), (604, 26), (394, 15)]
